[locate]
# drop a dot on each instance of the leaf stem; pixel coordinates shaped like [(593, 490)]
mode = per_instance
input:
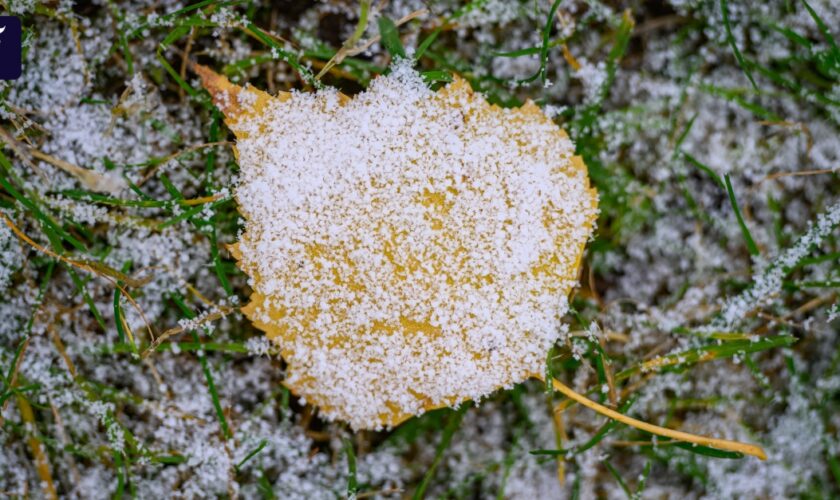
[(721, 444)]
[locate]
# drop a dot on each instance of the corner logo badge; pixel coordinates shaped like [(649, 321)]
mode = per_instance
[(10, 48)]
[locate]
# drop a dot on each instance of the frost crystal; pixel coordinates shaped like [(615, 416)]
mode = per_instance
[(768, 281)]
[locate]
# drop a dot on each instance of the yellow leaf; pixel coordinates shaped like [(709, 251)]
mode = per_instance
[(408, 249)]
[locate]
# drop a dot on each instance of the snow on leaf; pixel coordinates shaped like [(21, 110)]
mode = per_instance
[(408, 249)]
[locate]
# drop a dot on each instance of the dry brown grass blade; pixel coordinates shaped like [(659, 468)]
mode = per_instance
[(800, 173), (91, 179), (41, 463), (151, 172), (85, 266), (180, 329), (560, 437), (789, 124), (22, 151), (351, 51), (59, 345)]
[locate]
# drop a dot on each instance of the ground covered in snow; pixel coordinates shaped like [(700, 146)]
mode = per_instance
[(707, 300)]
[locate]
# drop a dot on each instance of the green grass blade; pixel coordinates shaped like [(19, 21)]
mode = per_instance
[(352, 485), (751, 246), (426, 43), (251, 454), (706, 451), (391, 37), (451, 426), (731, 40), (822, 26), (615, 474), (708, 353), (208, 376)]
